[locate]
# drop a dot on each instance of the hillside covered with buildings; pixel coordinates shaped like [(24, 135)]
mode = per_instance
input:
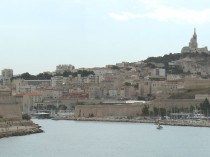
[(180, 78)]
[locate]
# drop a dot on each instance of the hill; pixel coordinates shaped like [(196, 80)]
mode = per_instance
[(196, 63)]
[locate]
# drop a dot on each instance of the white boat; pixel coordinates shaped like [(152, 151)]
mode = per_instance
[(159, 126)]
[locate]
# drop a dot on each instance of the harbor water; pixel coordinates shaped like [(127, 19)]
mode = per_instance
[(108, 139)]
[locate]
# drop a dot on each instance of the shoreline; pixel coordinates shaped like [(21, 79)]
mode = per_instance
[(163, 122), (18, 128)]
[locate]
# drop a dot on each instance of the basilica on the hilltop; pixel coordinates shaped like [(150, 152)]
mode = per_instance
[(193, 46)]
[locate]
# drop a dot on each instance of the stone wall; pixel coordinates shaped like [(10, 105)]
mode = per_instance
[(194, 83), (108, 110), (131, 109), (7, 100), (71, 102), (9, 109), (179, 103)]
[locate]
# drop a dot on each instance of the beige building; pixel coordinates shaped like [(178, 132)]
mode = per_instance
[(28, 101), (123, 64), (64, 67), (95, 92), (144, 87)]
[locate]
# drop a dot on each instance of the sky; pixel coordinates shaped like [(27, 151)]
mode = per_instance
[(38, 35)]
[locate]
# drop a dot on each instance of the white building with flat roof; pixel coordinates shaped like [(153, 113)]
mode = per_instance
[(7, 74), (64, 67), (159, 72)]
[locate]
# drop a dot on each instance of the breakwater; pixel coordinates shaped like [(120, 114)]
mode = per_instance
[(18, 128)]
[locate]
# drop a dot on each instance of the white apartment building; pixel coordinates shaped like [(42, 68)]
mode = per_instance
[(25, 88), (159, 72), (7, 74), (64, 67), (123, 64), (56, 80), (90, 79)]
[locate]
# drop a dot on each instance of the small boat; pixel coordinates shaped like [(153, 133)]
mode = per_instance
[(159, 126)]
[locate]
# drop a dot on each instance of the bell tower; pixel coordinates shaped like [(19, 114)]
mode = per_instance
[(193, 41)]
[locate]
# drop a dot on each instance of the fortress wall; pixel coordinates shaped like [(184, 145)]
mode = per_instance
[(108, 110), (7, 100), (131, 110), (179, 103), (196, 83), (9, 109)]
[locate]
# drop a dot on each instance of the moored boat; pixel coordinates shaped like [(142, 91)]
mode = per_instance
[(159, 126)]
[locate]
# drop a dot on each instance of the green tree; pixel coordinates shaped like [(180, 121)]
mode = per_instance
[(85, 73), (162, 112), (136, 86), (155, 111), (66, 74), (141, 98), (62, 107), (127, 83), (114, 67), (26, 117), (205, 106), (145, 110), (44, 76), (51, 107), (27, 76)]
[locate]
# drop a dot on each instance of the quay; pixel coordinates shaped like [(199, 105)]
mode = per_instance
[(192, 123)]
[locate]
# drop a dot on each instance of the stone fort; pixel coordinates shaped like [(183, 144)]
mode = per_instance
[(9, 109)]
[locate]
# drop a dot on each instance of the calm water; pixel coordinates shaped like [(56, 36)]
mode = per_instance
[(106, 139)]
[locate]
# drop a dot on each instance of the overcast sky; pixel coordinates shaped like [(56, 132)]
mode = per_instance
[(37, 35)]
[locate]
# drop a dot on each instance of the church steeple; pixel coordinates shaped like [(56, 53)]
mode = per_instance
[(195, 35), (193, 41)]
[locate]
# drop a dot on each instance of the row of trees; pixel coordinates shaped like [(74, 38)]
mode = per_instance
[(156, 111), (204, 108), (176, 56), (47, 76), (27, 76), (83, 73)]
